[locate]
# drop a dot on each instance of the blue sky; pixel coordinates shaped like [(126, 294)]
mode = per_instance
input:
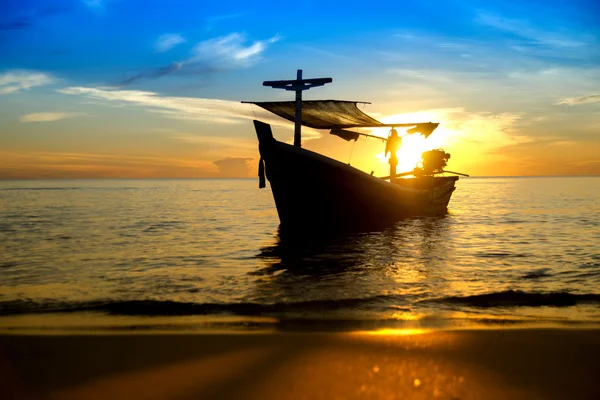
[(151, 88)]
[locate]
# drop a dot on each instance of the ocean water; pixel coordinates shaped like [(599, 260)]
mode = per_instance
[(192, 254)]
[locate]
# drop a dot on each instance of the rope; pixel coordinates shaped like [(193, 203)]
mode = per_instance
[(252, 107), (261, 174), (351, 151)]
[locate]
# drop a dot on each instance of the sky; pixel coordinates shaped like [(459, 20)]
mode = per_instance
[(132, 88)]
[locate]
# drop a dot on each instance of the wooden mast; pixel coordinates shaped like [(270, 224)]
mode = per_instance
[(298, 86)]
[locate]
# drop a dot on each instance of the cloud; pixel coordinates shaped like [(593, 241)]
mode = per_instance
[(185, 108), (152, 73), (47, 116), (231, 50), (171, 106), (16, 80), (209, 57), (168, 41), (494, 83), (524, 30), (459, 125), (580, 100), (234, 167), (526, 86), (218, 143)]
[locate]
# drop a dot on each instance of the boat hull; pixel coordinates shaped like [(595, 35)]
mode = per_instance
[(314, 192)]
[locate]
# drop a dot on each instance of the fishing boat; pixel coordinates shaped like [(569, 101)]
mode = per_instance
[(315, 193)]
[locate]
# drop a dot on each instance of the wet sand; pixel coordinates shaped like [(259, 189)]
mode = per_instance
[(470, 364)]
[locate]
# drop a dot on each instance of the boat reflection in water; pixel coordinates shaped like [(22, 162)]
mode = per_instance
[(356, 281), (318, 269)]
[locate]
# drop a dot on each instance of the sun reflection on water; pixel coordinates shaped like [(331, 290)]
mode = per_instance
[(395, 332)]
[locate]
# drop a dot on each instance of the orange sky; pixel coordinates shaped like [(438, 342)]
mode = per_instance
[(150, 135), (514, 94)]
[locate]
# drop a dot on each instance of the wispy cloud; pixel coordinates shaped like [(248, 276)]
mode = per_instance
[(216, 142), (152, 73), (185, 108), (211, 22), (47, 116), (231, 50), (16, 80), (580, 100), (211, 56), (213, 111), (168, 41), (525, 30)]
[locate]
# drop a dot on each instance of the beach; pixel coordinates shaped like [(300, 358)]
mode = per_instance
[(544, 363)]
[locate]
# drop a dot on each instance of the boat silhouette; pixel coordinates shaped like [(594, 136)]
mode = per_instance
[(315, 193)]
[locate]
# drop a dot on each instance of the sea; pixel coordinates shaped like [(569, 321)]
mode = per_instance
[(205, 255)]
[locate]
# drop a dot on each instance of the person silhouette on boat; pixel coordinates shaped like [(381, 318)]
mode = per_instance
[(392, 146)]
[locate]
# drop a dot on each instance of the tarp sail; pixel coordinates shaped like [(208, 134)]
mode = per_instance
[(345, 134), (322, 114), (424, 128), (337, 115)]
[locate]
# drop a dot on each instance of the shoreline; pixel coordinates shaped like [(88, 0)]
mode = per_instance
[(442, 364), (96, 323)]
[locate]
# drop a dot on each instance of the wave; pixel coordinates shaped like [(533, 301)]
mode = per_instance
[(501, 254), (541, 273), (508, 298), (167, 307), (517, 298)]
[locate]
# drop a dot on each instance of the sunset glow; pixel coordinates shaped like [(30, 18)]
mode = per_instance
[(516, 90), (410, 152)]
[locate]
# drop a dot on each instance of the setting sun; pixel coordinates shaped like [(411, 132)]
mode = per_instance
[(410, 152), (413, 145)]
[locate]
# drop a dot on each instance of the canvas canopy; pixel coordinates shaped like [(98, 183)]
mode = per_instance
[(338, 115), (322, 114)]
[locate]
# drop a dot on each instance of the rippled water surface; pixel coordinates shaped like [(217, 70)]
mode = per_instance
[(509, 249)]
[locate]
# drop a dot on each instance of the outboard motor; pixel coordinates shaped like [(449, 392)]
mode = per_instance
[(432, 162)]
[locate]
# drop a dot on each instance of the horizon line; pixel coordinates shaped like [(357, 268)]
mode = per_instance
[(217, 177)]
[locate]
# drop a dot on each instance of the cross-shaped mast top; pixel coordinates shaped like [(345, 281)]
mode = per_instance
[(298, 86)]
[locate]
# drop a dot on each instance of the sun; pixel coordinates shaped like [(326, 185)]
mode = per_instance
[(414, 145), (410, 152)]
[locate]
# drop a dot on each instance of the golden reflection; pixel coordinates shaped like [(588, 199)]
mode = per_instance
[(408, 316), (395, 332)]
